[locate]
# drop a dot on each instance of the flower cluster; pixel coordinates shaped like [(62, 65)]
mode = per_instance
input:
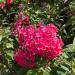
[(41, 41), (2, 4), (19, 22)]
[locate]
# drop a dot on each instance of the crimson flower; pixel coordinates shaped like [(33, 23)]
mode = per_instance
[(26, 19), (2, 5), (41, 41), (9, 1)]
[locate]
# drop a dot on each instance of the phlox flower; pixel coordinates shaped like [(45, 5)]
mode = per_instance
[(41, 41), (2, 5)]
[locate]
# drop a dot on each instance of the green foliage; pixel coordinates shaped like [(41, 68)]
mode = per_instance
[(62, 65), (62, 13)]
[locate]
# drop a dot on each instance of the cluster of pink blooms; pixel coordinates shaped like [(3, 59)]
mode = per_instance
[(2, 4), (41, 41)]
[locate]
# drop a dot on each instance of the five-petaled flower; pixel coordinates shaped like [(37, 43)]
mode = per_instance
[(2, 5), (9, 1)]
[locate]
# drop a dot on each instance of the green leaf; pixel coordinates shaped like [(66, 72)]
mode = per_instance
[(60, 73), (64, 68), (69, 48), (9, 55), (45, 71), (74, 41), (64, 55), (0, 37), (9, 45)]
